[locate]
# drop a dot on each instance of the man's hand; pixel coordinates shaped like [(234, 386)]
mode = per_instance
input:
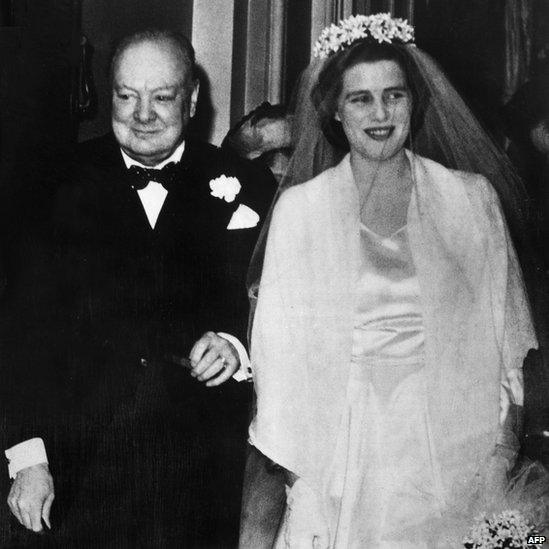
[(31, 496), (212, 356)]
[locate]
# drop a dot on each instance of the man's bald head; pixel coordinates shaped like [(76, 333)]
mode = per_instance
[(172, 40)]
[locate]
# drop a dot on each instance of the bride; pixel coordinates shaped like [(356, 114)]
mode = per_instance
[(392, 321)]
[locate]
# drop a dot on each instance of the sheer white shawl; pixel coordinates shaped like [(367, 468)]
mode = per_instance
[(476, 317)]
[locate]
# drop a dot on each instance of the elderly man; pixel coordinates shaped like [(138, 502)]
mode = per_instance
[(152, 237)]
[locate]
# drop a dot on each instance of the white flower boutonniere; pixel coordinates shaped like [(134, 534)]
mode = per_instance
[(225, 187)]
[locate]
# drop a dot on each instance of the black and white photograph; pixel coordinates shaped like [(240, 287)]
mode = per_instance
[(274, 274)]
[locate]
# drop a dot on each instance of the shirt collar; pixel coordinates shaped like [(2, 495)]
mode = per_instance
[(174, 157)]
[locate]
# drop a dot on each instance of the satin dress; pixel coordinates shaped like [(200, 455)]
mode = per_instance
[(384, 482)]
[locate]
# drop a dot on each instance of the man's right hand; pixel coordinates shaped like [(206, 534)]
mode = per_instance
[(31, 496)]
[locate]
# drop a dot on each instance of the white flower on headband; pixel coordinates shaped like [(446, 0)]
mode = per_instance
[(225, 187), (380, 27)]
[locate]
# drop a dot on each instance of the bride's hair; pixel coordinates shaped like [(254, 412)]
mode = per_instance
[(326, 91)]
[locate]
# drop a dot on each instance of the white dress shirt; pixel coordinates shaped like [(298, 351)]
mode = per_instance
[(32, 452), (154, 194)]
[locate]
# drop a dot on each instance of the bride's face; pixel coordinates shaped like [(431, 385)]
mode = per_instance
[(374, 108)]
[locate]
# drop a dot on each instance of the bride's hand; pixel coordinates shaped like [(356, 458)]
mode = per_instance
[(305, 525), (495, 480)]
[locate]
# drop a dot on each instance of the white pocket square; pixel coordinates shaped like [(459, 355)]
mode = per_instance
[(243, 218)]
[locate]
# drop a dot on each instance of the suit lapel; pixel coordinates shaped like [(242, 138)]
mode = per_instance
[(190, 205), (179, 202), (116, 197)]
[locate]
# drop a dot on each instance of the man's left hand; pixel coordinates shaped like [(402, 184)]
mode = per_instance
[(212, 356)]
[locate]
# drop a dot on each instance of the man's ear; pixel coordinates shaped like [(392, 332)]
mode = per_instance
[(194, 98)]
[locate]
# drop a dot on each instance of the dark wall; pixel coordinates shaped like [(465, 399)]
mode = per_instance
[(38, 122), (467, 38), (298, 39), (37, 63), (104, 22)]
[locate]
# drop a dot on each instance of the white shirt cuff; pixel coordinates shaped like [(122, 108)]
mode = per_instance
[(244, 373), (25, 454)]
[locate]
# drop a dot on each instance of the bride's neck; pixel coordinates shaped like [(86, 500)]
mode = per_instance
[(390, 172)]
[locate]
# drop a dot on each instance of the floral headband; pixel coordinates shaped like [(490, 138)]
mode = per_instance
[(380, 28)]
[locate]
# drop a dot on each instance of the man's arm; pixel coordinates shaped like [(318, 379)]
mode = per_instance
[(30, 371), (216, 357)]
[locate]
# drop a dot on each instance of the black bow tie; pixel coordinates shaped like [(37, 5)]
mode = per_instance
[(140, 177)]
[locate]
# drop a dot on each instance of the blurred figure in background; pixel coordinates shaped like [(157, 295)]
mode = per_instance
[(526, 117), (527, 120), (264, 134)]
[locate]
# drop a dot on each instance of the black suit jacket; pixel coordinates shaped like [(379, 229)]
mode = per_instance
[(104, 301)]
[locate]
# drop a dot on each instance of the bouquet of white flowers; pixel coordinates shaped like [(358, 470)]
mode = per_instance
[(508, 529)]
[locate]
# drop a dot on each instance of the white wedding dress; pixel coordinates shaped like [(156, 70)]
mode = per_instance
[(384, 481)]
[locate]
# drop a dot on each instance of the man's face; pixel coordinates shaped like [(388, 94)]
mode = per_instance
[(153, 99)]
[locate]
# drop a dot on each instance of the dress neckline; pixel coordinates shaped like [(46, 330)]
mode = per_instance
[(380, 236)]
